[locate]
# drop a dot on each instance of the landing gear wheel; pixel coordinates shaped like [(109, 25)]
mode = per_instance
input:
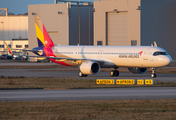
[(153, 75), (82, 75), (85, 76), (114, 73)]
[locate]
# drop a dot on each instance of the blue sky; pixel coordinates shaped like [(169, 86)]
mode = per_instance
[(21, 6)]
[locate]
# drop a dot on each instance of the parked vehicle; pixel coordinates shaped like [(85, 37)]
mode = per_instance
[(6, 57), (22, 58), (3, 56)]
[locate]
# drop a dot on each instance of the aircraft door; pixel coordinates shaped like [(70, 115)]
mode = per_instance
[(146, 52), (100, 54)]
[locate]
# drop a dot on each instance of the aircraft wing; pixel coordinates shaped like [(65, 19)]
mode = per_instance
[(72, 59)]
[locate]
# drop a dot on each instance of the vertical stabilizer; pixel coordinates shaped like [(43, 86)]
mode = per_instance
[(9, 49), (42, 34)]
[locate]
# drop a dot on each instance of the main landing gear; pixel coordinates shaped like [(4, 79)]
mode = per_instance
[(153, 75), (114, 73), (82, 75)]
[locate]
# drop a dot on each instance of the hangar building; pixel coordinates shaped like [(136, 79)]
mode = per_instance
[(68, 23), (116, 22), (13, 30), (106, 22), (136, 22)]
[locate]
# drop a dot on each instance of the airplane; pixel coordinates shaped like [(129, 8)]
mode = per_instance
[(90, 59), (17, 55)]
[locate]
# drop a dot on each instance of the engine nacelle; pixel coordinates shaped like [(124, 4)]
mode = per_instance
[(90, 67), (137, 70)]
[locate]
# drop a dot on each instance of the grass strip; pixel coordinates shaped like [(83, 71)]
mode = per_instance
[(90, 110), (56, 83)]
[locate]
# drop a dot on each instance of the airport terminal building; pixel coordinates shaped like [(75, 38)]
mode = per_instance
[(107, 22)]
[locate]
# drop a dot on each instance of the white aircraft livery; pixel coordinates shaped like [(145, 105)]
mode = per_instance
[(90, 59)]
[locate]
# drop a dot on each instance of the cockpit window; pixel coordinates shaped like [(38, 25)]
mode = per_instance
[(159, 53)]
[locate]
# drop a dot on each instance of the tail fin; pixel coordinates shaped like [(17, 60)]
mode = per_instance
[(155, 45), (42, 35), (9, 49)]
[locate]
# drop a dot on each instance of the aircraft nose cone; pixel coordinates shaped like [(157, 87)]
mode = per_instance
[(168, 60)]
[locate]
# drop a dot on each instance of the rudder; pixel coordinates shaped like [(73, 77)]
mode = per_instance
[(42, 34)]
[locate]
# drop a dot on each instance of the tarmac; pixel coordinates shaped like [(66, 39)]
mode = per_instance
[(89, 94), (70, 73), (82, 94)]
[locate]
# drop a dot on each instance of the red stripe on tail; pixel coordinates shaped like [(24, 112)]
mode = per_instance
[(47, 39)]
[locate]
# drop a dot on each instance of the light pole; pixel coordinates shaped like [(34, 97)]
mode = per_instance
[(3, 34)]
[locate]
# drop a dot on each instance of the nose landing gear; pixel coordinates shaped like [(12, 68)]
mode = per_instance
[(153, 75)]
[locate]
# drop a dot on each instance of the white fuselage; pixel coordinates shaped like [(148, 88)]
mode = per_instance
[(120, 56)]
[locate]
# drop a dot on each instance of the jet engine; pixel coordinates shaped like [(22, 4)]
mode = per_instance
[(137, 70), (90, 67)]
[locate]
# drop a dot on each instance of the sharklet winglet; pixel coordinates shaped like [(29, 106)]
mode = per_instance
[(155, 45)]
